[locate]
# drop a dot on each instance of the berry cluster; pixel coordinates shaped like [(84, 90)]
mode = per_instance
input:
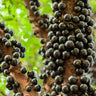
[(8, 61), (42, 20), (70, 35)]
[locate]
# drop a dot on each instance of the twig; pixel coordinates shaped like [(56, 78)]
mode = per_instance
[(2, 93)]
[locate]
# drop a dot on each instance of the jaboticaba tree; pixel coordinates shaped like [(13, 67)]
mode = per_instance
[(68, 51)]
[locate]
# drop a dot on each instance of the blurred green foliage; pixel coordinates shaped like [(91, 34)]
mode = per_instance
[(14, 14)]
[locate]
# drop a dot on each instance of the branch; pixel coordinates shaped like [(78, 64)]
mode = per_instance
[(42, 31), (15, 72), (2, 93), (70, 70)]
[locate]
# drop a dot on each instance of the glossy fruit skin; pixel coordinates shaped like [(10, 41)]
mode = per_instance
[(75, 51), (16, 85), (58, 88), (83, 87), (7, 58), (83, 52), (81, 24), (10, 79), (28, 88), (66, 55), (67, 17), (82, 17), (79, 44), (6, 72), (72, 80), (71, 38), (7, 35), (23, 70), (84, 80), (62, 26), (16, 55), (53, 93), (9, 86), (2, 25), (89, 30), (61, 47), (76, 19), (34, 81), (85, 64), (77, 63), (45, 94), (74, 88), (60, 69), (58, 79), (65, 89), (57, 14), (14, 42), (4, 65), (14, 62), (19, 94), (80, 3), (8, 44), (61, 6), (84, 11), (77, 9), (31, 74), (69, 44), (56, 53), (37, 88), (77, 31), (70, 26), (65, 32), (79, 36), (62, 39), (4, 40), (79, 72)]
